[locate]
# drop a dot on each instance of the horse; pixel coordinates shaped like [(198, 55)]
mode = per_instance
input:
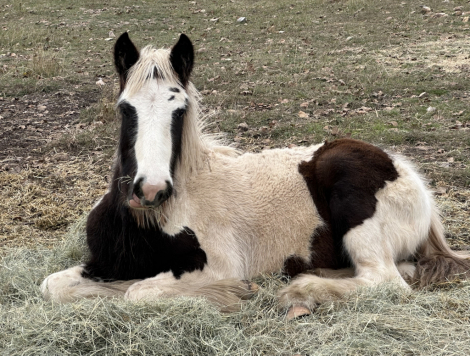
[(186, 214)]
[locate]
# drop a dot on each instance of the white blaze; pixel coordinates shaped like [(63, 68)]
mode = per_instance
[(153, 145)]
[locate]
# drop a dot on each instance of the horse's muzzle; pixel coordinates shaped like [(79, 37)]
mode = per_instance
[(146, 195)]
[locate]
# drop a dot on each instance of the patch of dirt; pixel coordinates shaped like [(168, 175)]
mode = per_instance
[(28, 124)]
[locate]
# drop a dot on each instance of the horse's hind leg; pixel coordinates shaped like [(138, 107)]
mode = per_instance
[(372, 255), (69, 285)]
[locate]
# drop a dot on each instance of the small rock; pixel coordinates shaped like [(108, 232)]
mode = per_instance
[(111, 34), (440, 191), (425, 9), (61, 157), (241, 20), (458, 8), (243, 126), (42, 107), (439, 14), (302, 115), (430, 109), (100, 82), (423, 95), (264, 130), (458, 13)]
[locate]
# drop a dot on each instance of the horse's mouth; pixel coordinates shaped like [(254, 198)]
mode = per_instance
[(135, 203), (142, 204)]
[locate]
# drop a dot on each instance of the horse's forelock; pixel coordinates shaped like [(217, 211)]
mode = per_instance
[(152, 64)]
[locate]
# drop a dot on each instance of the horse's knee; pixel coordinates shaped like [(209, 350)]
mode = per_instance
[(56, 286)]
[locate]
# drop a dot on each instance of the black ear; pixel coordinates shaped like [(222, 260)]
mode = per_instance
[(182, 58), (125, 56)]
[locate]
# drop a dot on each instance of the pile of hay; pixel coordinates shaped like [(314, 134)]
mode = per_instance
[(379, 321)]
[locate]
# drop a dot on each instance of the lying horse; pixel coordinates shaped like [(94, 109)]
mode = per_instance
[(186, 215)]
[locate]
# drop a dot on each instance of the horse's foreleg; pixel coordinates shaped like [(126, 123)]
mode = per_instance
[(69, 285), (225, 293)]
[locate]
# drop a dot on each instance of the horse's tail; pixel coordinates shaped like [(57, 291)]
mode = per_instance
[(437, 263)]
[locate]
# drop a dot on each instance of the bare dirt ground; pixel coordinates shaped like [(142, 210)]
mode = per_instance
[(28, 124)]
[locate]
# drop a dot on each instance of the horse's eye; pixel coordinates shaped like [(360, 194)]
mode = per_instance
[(127, 111), (178, 113)]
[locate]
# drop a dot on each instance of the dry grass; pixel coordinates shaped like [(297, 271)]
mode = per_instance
[(376, 321), (40, 202), (455, 208)]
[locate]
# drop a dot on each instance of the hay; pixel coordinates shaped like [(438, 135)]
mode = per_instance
[(378, 321), (40, 202)]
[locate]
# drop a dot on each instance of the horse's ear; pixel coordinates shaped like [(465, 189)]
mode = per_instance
[(125, 56), (182, 58)]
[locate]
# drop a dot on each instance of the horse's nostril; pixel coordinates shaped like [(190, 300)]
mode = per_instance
[(137, 191), (155, 194)]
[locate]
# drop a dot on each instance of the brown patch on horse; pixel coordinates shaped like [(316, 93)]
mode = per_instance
[(295, 265), (343, 177)]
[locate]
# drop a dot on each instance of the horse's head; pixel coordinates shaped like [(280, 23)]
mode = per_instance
[(153, 104)]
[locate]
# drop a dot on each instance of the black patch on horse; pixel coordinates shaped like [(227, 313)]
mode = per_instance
[(295, 265), (127, 160), (177, 123), (343, 178), (120, 249)]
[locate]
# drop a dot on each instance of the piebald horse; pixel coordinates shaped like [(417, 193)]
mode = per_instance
[(187, 215)]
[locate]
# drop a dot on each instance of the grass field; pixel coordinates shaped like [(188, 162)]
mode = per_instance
[(295, 73)]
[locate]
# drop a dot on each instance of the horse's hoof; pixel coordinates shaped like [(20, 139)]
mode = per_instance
[(297, 311)]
